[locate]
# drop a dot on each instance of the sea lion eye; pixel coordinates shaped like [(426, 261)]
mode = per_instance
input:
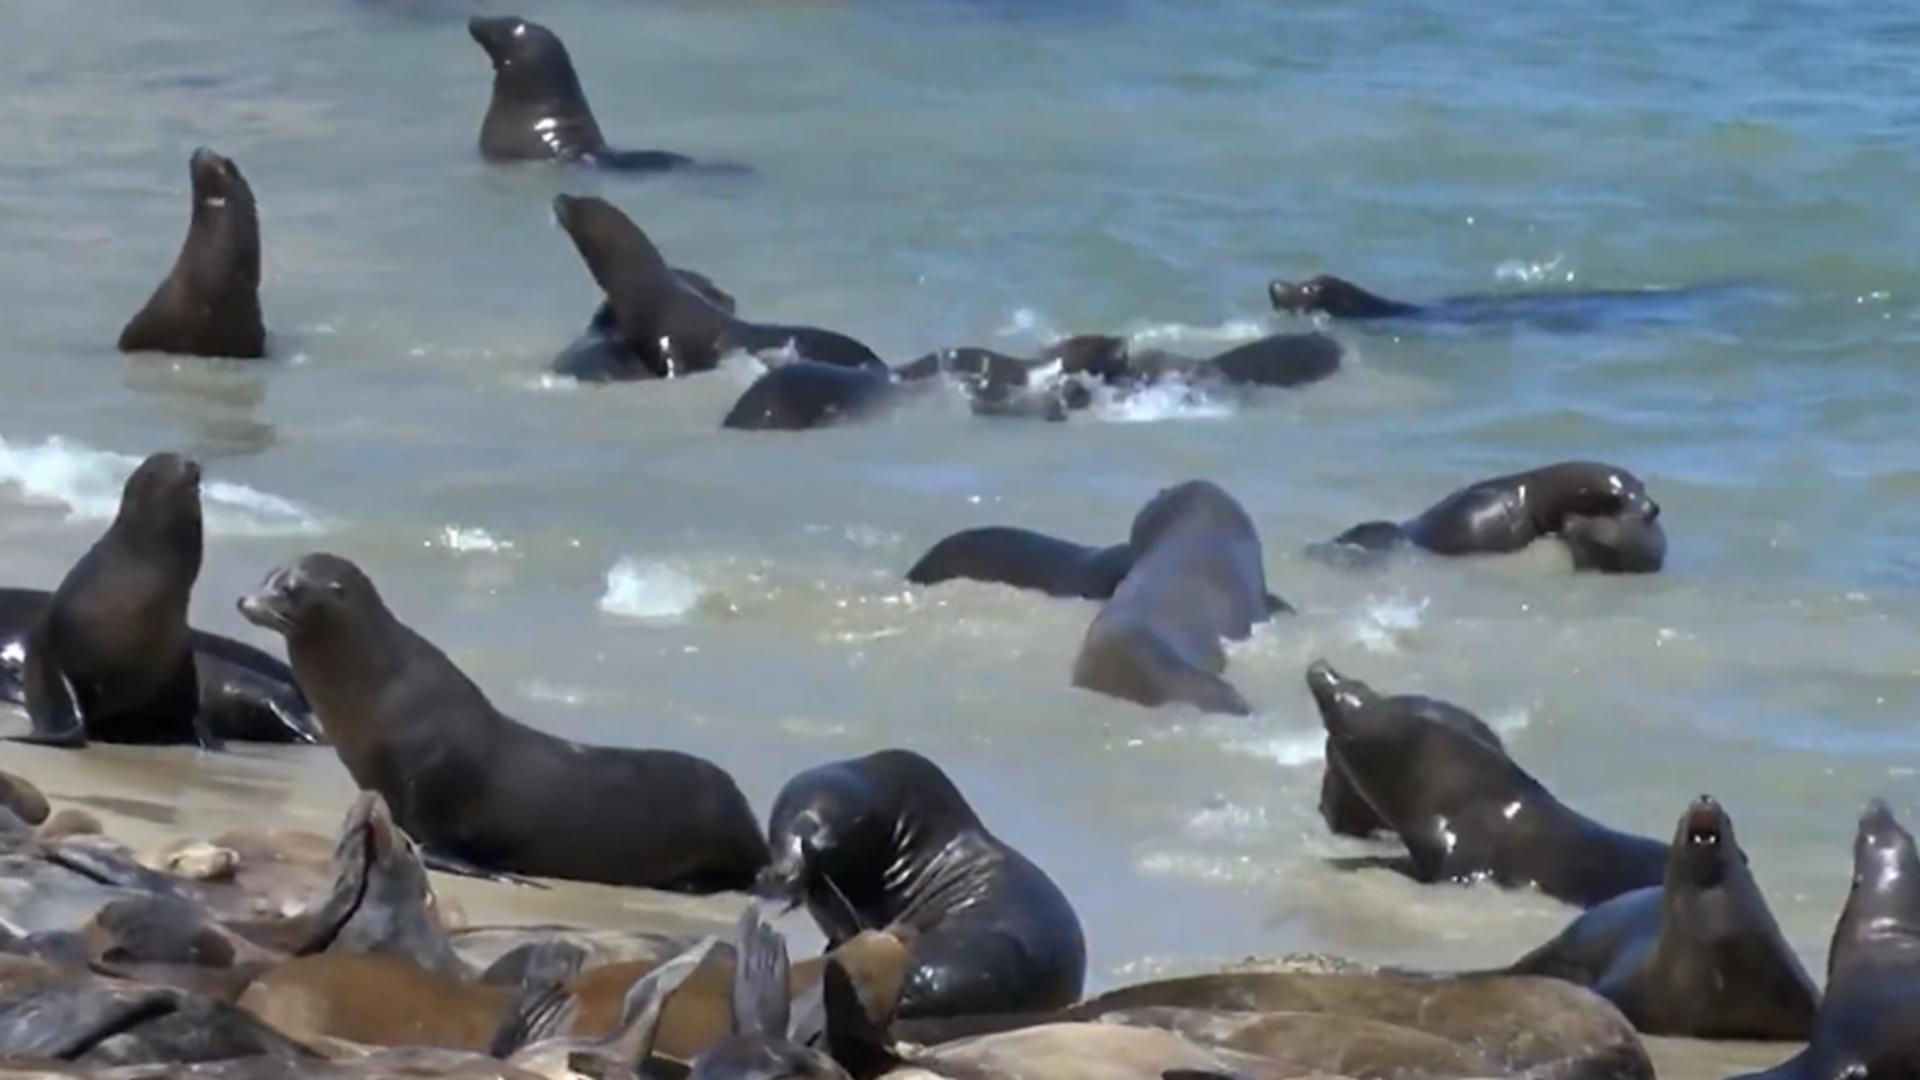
[(337, 588)]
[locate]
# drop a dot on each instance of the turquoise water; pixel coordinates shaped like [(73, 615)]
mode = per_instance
[(944, 173)]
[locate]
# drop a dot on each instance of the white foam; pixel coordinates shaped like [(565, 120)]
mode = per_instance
[(647, 589), (1167, 399), (745, 368), (466, 541), (1231, 332), (1509, 721), (1533, 273), (87, 482), (1287, 749), (1028, 322), (1385, 623), (1227, 821)]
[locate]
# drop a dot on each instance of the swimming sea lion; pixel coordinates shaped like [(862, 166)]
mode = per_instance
[(1025, 560), (245, 694), (1465, 811), (601, 354), (1602, 512), (1699, 957), (803, 394), (478, 790), (1866, 1027), (209, 304), (1344, 809), (111, 658), (1550, 309), (675, 329), (887, 839), (538, 111), (1197, 577)]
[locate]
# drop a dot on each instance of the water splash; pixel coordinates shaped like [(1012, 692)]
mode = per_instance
[(87, 482), (649, 590)]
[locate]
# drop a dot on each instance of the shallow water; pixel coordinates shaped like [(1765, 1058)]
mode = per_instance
[(612, 566)]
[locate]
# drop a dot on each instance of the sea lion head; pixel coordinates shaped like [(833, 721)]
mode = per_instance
[(1334, 295), (1882, 915), (851, 827), (1704, 850), (219, 189), (317, 594), (1412, 759), (161, 501), (1201, 499), (1615, 543), (530, 65)]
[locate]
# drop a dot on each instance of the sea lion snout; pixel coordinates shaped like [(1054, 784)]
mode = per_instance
[(1335, 694), (270, 605)]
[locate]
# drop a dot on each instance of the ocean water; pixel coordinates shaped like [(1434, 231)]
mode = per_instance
[(612, 566)]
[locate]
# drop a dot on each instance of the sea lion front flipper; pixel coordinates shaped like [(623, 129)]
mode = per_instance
[(761, 1005), (52, 706), (454, 864), (1277, 606), (543, 1010), (554, 960)]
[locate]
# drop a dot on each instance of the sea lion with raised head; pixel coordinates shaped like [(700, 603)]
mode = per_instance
[(245, 694), (1547, 309), (209, 304), (676, 329), (1699, 957), (1866, 1029), (601, 354), (538, 111), (1465, 810), (111, 657), (888, 839), (1601, 512), (478, 790), (1197, 578), (1344, 809)]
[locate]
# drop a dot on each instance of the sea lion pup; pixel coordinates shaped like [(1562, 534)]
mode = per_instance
[(111, 658), (674, 327), (1197, 577), (478, 790), (888, 839), (1866, 1025), (1699, 957), (245, 694), (1464, 810), (1602, 512), (539, 112), (209, 304)]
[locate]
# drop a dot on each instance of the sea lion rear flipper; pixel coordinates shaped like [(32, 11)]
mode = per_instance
[(454, 864), (854, 1040), (542, 1010), (1277, 606), (761, 1005), (632, 1042), (52, 706), (555, 960)]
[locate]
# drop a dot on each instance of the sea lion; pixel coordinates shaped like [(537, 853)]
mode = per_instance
[(674, 327), (1309, 1043), (758, 1047), (1557, 309), (97, 1023), (478, 790), (601, 354), (1699, 957), (1866, 1027), (245, 694), (534, 1038), (1602, 512), (538, 111), (209, 304), (1344, 809), (1525, 1026), (1025, 560), (888, 839), (111, 658), (18, 795), (803, 394), (1465, 810), (1196, 578)]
